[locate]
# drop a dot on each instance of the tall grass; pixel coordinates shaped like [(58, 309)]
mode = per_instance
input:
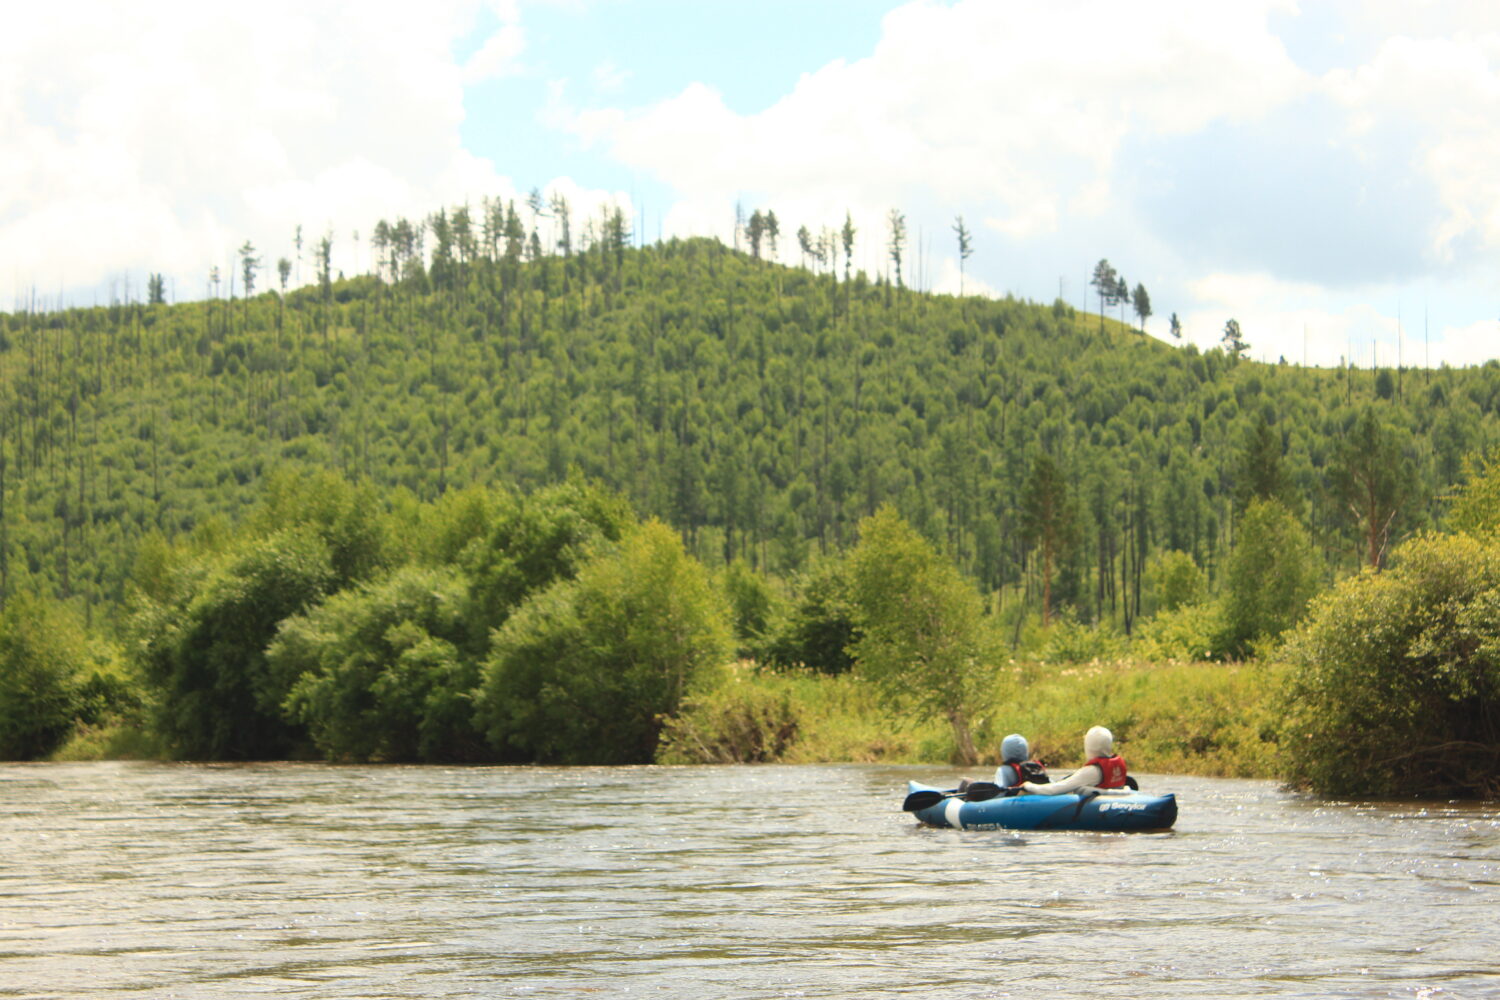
[(1193, 718), (1210, 719)]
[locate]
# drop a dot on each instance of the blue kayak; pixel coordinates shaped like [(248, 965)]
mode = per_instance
[(1100, 810)]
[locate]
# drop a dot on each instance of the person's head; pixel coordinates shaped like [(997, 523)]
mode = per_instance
[(1098, 742), (1014, 749)]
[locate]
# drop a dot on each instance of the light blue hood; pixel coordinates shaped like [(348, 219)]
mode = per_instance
[(1014, 749)]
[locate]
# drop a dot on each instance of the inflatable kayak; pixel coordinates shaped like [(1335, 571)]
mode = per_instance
[(1097, 810)]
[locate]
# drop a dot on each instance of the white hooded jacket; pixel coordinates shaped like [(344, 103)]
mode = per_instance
[(1097, 742)]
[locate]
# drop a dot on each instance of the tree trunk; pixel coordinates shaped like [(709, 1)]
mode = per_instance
[(1046, 581), (963, 739)]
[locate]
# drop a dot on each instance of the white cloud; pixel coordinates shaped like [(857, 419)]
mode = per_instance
[(608, 76), (1178, 138), (1471, 344), (500, 53), (951, 281), (1302, 322), (161, 137), (1445, 89), (1007, 109)]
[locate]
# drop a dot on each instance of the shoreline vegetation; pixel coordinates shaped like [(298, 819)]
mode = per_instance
[(1205, 719), (497, 502), (1208, 719), (619, 649), (616, 646)]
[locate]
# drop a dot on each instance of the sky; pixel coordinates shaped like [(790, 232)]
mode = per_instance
[(1323, 173)]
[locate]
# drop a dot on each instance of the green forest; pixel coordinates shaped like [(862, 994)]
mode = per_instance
[(598, 502)]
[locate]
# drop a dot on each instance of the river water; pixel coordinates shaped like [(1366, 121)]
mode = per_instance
[(285, 880)]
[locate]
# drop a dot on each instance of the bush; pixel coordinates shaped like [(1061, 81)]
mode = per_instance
[(1195, 718), (752, 603), (586, 670), (1395, 687), (737, 722), (377, 673), (533, 542), (1174, 581), (350, 520), (204, 649), (1070, 641), (921, 625), (42, 653), (1198, 718), (797, 716), (817, 629), (1272, 574), (1191, 632), (1476, 504)]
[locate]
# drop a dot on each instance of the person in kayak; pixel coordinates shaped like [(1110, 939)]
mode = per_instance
[(1103, 769), (1016, 765)]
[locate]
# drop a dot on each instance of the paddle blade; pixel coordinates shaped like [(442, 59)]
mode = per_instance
[(979, 791), (922, 800)]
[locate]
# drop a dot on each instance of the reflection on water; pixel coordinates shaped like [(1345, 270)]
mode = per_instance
[(145, 880)]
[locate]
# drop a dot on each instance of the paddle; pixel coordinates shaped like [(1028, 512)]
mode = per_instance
[(977, 791)]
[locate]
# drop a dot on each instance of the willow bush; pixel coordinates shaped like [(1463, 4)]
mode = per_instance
[(1395, 687), (585, 671)]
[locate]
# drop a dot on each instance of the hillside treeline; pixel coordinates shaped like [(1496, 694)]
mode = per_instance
[(760, 410)]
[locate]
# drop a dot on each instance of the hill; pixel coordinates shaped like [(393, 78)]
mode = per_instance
[(760, 409)]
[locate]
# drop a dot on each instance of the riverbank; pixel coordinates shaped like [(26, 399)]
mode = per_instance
[(1209, 719)]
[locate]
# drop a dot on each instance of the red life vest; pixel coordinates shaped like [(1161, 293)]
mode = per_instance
[(1113, 769), (1029, 770)]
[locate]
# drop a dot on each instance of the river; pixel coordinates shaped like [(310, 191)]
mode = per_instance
[(131, 880)]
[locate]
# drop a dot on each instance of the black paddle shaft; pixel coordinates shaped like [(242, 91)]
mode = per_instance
[(976, 791)]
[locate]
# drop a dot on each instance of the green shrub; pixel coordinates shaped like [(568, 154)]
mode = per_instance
[(817, 628), (921, 624), (377, 673), (1174, 581), (738, 721), (1272, 574), (348, 519), (121, 738), (1070, 641), (752, 604), (1190, 632), (42, 654), (750, 714), (586, 670), (534, 541), (1476, 504), (203, 650), (1395, 688), (1197, 718)]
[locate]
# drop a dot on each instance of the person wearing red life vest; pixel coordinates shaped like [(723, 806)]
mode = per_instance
[(1103, 769), (1016, 765)]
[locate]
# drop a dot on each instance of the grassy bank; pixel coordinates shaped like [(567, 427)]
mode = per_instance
[(1199, 718), (1189, 718)]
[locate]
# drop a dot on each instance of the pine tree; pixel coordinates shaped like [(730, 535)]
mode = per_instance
[(1142, 302), (1104, 284), (965, 248), (1234, 340), (896, 246), (847, 235)]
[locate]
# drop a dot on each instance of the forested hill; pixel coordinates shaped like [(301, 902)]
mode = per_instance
[(759, 408)]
